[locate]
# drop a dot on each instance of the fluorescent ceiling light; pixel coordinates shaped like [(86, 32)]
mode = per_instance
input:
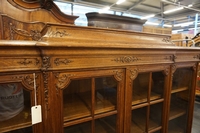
[(190, 5), (183, 24), (104, 9), (152, 23), (167, 25), (120, 1), (149, 16), (173, 10)]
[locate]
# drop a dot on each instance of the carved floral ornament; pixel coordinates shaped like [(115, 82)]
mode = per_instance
[(64, 61), (167, 40), (27, 61), (126, 59), (58, 32), (27, 80), (34, 34)]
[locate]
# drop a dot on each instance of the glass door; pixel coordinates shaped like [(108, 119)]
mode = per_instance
[(180, 100), (147, 102), (91, 104), (15, 108)]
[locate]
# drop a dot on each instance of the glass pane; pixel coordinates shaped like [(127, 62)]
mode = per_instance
[(139, 118), (105, 94), (158, 82), (179, 105), (182, 79), (155, 116), (15, 106), (77, 99), (106, 125), (79, 128), (140, 89), (178, 125)]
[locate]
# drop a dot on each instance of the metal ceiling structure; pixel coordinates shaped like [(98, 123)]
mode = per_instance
[(147, 7)]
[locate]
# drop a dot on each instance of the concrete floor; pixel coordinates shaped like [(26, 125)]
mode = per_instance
[(196, 119)]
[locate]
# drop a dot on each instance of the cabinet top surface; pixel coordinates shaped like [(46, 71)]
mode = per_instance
[(54, 35)]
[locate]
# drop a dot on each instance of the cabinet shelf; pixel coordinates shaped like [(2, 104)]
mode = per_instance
[(104, 126), (180, 89), (139, 121), (176, 112), (22, 120), (174, 128), (80, 106), (138, 98)]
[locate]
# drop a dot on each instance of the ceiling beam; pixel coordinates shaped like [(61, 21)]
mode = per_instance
[(173, 3), (134, 5), (155, 7)]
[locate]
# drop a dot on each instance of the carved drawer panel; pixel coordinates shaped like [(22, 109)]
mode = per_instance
[(185, 56), (112, 60), (10, 63)]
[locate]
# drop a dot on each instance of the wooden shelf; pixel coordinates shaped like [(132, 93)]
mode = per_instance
[(136, 128), (79, 128), (79, 106), (176, 112), (153, 124), (105, 126), (141, 97), (22, 120), (175, 129), (101, 104), (75, 107), (179, 89)]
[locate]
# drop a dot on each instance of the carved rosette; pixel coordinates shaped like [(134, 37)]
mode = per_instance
[(59, 61), (126, 59), (118, 75)]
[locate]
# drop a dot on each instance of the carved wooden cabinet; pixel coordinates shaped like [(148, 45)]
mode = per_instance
[(93, 80)]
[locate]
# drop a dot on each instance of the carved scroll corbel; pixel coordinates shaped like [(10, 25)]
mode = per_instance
[(133, 73), (62, 80), (27, 80), (118, 75)]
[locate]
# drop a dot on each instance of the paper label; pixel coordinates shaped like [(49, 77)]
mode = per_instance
[(36, 114)]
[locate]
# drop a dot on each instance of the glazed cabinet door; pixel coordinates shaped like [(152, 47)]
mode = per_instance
[(182, 98), (92, 101), (145, 99), (17, 96)]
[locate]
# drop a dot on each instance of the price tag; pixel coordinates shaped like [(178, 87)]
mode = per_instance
[(36, 114), (36, 111)]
